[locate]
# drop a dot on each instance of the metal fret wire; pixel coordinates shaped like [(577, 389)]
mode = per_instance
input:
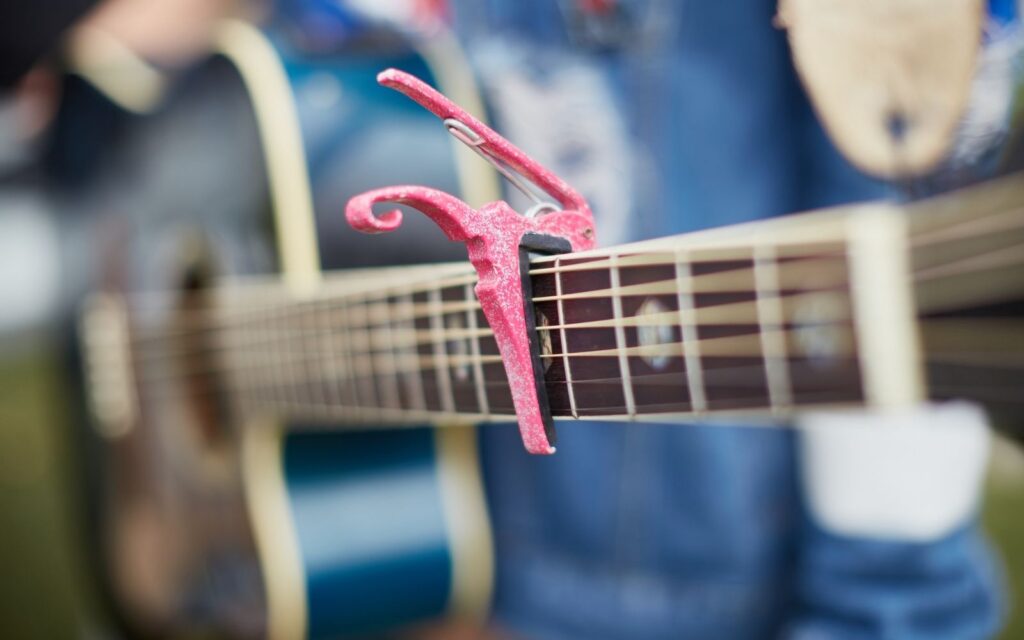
[(620, 338), (771, 317), (564, 341)]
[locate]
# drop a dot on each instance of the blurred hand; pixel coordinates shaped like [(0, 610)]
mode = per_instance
[(166, 32)]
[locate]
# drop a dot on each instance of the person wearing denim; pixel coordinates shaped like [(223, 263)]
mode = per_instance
[(675, 116)]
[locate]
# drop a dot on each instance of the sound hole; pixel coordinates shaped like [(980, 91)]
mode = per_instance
[(197, 352)]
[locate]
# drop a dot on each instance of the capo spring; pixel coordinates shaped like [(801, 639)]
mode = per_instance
[(474, 141)]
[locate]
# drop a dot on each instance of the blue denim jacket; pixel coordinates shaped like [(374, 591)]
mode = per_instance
[(644, 531)]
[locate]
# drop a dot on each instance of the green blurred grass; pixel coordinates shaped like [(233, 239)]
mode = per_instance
[(1004, 521), (43, 592), (40, 577)]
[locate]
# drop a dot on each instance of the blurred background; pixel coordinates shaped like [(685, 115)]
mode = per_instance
[(127, 109)]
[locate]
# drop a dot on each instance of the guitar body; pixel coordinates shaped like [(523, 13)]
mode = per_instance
[(208, 524), (371, 527)]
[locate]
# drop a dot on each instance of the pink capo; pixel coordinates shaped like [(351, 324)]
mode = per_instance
[(494, 235)]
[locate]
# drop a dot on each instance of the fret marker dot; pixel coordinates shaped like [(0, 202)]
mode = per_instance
[(816, 332), (656, 337)]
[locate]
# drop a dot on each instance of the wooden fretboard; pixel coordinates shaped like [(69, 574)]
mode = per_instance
[(870, 304)]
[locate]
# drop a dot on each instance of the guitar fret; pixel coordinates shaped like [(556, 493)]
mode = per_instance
[(260, 359), (334, 365), (226, 357), (565, 351), (597, 382), (328, 359), (316, 367), (229, 356), (295, 351), (293, 344), (261, 377), (292, 358), (274, 339), (620, 337), (349, 388), (458, 345), (478, 372), (389, 389), (412, 374), (884, 309), (338, 348), (323, 365), (739, 380), (362, 359), (820, 345), (440, 352), (688, 332), (268, 340), (424, 352), (771, 319)]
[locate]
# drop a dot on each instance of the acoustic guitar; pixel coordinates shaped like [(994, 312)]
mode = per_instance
[(267, 465), (200, 526)]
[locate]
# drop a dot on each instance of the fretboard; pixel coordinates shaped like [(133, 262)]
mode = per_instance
[(623, 335), (859, 305)]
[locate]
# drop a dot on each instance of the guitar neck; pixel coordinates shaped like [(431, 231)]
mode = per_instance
[(967, 256), (865, 305)]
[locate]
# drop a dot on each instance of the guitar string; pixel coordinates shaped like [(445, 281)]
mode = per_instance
[(972, 266), (370, 327), (746, 316), (186, 319), (1011, 220), (296, 404), (737, 346), (985, 225), (935, 387), (652, 260), (301, 374), (988, 224), (305, 374), (292, 385), (301, 363), (1008, 256), (831, 307), (656, 350), (290, 396), (301, 391), (239, 290)]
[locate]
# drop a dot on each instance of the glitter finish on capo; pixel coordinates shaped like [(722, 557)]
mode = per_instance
[(492, 235)]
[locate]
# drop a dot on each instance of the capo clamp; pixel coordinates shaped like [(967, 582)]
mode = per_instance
[(498, 240)]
